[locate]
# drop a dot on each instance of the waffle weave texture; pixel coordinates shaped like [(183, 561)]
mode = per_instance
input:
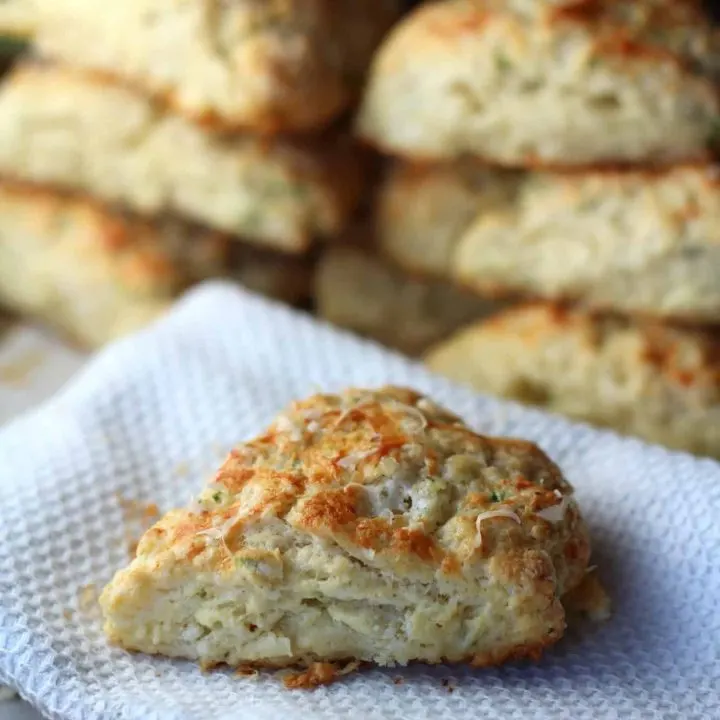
[(150, 419)]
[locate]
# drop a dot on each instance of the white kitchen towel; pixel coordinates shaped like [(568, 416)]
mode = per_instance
[(151, 417)]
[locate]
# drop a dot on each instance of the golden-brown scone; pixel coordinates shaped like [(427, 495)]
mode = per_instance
[(547, 82), (658, 382), (61, 127), (18, 18), (96, 273), (360, 292), (262, 65), (370, 526), (424, 210), (636, 241), (70, 265)]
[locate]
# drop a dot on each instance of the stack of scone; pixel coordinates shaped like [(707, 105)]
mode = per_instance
[(146, 147), (561, 151)]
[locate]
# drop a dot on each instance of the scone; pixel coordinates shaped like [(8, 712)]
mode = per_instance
[(96, 273), (658, 382), (424, 210), (262, 65), (547, 82), (71, 266), (636, 241), (18, 18), (360, 292), (368, 526), (58, 126)]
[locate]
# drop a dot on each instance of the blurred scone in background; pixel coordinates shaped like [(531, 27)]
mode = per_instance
[(563, 153), (522, 192), (145, 148)]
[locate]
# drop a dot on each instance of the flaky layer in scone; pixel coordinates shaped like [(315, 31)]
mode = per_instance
[(59, 126), (636, 241), (363, 293), (547, 82), (659, 382), (369, 526), (96, 273), (261, 65)]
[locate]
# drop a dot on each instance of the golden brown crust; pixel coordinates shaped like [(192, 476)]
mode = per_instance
[(132, 268), (319, 673), (658, 381), (662, 348), (133, 241), (340, 447)]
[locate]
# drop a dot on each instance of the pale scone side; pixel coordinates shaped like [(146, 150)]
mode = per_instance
[(62, 127), (638, 242), (658, 382), (372, 526)]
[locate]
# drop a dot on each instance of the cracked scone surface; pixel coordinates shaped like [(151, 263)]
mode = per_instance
[(656, 381), (636, 241), (371, 525), (262, 65), (62, 127), (551, 82)]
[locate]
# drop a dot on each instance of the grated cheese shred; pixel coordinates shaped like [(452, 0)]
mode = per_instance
[(489, 515), (555, 513)]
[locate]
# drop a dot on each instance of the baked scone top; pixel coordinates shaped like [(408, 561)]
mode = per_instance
[(398, 483), (547, 84), (657, 30)]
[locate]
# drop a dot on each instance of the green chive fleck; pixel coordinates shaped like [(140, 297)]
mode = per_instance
[(714, 134), (495, 497), (502, 63)]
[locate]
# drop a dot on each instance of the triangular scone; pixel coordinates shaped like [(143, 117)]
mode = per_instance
[(371, 526), (81, 133), (658, 381), (547, 83)]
